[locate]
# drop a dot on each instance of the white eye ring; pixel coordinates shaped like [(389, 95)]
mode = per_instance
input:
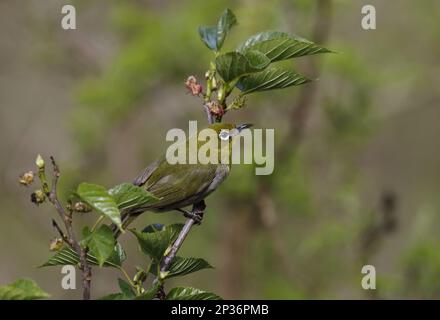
[(224, 134)]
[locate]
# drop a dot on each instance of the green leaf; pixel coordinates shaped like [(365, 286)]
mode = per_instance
[(67, 256), (225, 23), (256, 59), (154, 244), (153, 228), (233, 65), (126, 289), (113, 296), (188, 293), (270, 79), (150, 293), (22, 289), (97, 197), (214, 36), (183, 266), (209, 36), (127, 195), (101, 243), (280, 46), (117, 257)]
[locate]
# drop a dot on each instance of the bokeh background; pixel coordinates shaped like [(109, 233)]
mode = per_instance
[(357, 173)]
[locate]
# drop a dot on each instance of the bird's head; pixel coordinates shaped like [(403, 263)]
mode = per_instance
[(227, 131)]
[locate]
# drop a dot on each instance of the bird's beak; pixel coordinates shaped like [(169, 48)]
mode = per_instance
[(243, 126)]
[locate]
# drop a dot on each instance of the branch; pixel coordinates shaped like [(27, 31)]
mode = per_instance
[(197, 210), (66, 217)]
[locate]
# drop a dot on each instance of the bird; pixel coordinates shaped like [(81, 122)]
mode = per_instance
[(180, 185)]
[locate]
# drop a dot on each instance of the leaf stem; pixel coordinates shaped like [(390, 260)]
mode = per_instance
[(124, 272), (98, 221)]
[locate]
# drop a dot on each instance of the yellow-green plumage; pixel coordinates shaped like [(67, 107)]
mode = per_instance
[(181, 185)]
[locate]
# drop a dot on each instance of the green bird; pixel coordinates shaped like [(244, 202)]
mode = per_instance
[(180, 185)]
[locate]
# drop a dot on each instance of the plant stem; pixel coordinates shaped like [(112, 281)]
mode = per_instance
[(124, 272), (97, 223), (66, 217)]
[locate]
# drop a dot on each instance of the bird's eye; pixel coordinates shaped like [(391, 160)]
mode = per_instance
[(224, 135)]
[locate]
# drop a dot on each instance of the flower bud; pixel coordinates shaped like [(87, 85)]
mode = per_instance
[(193, 87), (81, 207), (140, 276), (39, 162), (27, 178), (56, 244), (38, 197), (215, 108)]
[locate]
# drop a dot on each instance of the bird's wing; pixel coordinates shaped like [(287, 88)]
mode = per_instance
[(178, 184), (143, 177)]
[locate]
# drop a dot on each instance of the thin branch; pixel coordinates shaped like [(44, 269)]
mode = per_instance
[(61, 233), (66, 217)]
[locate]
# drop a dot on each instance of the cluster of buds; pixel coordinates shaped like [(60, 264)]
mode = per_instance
[(38, 197), (238, 103), (81, 207), (27, 178), (193, 86), (215, 108), (56, 244)]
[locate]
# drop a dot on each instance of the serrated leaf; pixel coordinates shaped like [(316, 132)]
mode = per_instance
[(209, 36), (150, 293), (22, 289), (154, 244), (97, 197), (280, 46), (127, 195), (67, 256), (270, 79), (126, 289), (188, 293), (101, 243), (183, 266), (257, 60), (233, 65), (226, 22)]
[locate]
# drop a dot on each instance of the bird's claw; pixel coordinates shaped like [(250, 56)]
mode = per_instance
[(197, 216)]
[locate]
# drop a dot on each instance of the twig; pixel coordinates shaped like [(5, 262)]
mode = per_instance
[(197, 209), (63, 236), (70, 238)]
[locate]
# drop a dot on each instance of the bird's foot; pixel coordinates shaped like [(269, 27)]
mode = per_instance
[(196, 215)]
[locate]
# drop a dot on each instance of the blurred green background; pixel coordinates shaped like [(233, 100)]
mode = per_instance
[(356, 178)]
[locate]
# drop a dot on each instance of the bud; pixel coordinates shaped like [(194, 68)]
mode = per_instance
[(39, 162), (27, 178), (38, 197), (140, 276), (81, 207), (213, 83), (215, 108), (56, 244), (193, 87)]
